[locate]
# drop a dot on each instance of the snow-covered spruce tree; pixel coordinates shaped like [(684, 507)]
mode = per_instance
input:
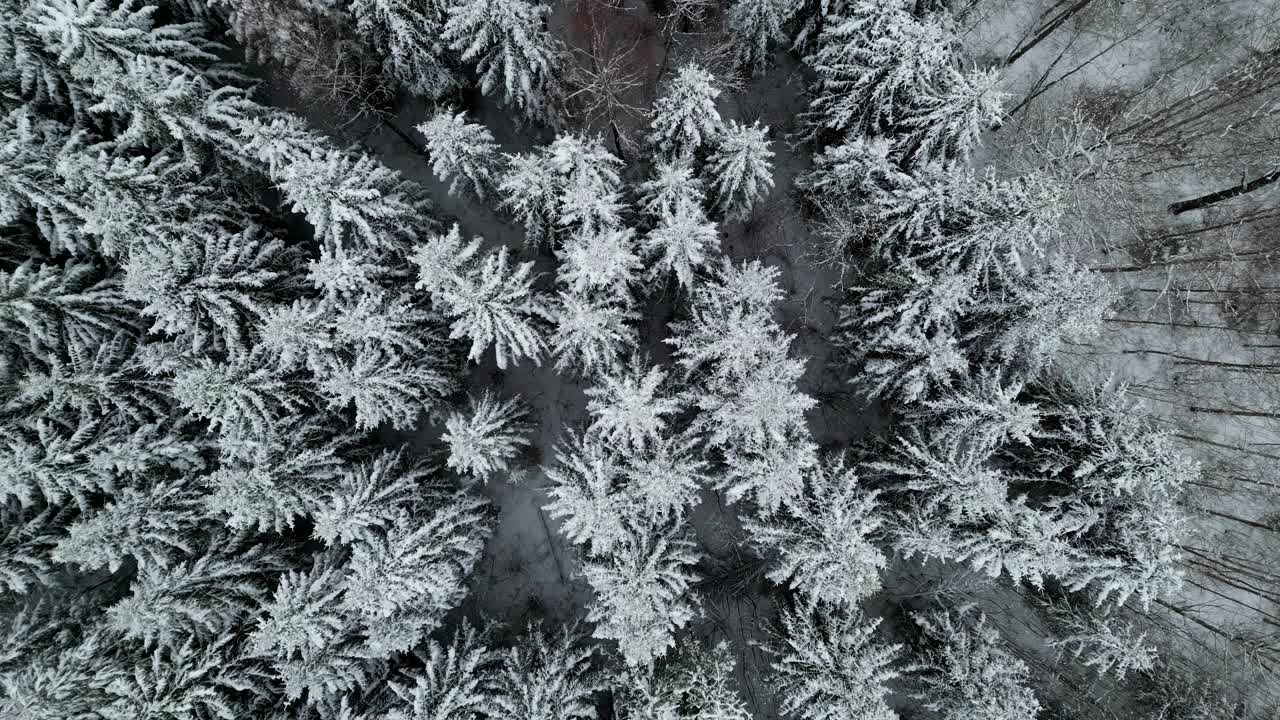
[(570, 186), (1096, 501), (545, 675), (455, 682), (944, 218), (193, 680), (964, 673), (982, 412), (682, 242), (409, 37), (27, 537), (961, 509), (488, 302), (200, 599), (674, 184), (685, 118), (740, 168), (530, 191), (585, 493), (98, 383), (642, 592), (605, 262), (693, 683), (461, 152), (731, 345), (830, 666), (590, 184), (873, 62), (368, 498), (242, 397), (1121, 470), (355, 199), (629, 408), (74, 458), (313, 647), (592, 333), (487, 437), (327, 629), (1025, 319), (154, 525), (757, 27), (1104, 643), (400, 584), (212, 289), (508, 43), (665, 478), (949, 122), (902, 333), (847, 173), (44, 308), (744, 383), (824, 541)]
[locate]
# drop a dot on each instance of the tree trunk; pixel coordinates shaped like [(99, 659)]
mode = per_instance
[(1045, 31), (1214, 198), (1234, 413)]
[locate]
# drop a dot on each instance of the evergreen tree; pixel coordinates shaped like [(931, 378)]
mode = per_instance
[(488, 302), (530, 190), (106, 382), (629, 407), (770, 472), (545, 675), (45, 308), (409, 36), (461, 152), (268, 483), (902, 332), (367, 498), (1106, 644), (825, 542), (666, 476), (685, 118), (589, 184), (873, 62), (682, 242), (27, 536), (695, 683), (509, 45), (741, 168), (950, 121), (831, 667), (400, 584), (211, 290), (198, 600), (154, 525), (642, 593), (585, 494), (303, 631), (605, 261), (241, 397), (455, 683), (64, 682), (674, 185), (383, 388), (488, 437), (203, 682), (757, 27), (355, 200), (964, 673), (591, 332)]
